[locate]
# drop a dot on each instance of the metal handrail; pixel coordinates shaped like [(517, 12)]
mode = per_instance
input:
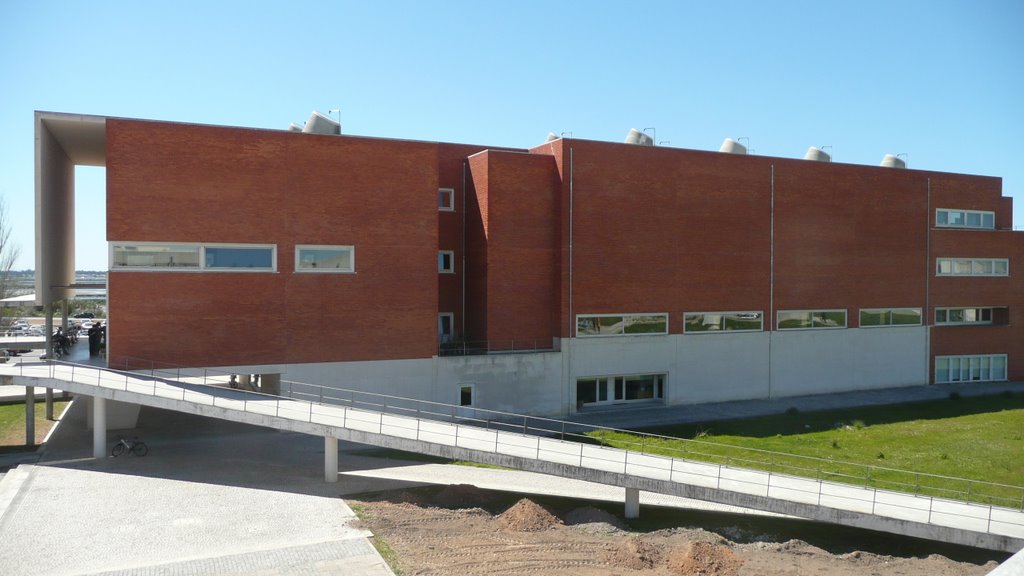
[(459, 416)]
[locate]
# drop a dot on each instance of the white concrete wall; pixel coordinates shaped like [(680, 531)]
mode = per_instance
[(700, 368), (821, 361)]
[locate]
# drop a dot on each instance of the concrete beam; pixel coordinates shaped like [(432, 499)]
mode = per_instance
[(330, 459)]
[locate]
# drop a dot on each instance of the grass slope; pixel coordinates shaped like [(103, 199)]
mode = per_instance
[(12, 423), (894, 447)]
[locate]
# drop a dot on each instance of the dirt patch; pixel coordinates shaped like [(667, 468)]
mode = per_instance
[(528, 516), (704, 558), (594, 520), (528, 539), (635, 554)]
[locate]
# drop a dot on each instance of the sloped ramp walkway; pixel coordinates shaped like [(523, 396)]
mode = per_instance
[(970, 524)]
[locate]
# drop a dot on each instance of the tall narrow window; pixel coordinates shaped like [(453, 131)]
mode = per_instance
[(446, 262), (446, 200)]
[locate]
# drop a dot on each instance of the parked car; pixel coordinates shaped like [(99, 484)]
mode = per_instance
[(85, 315)]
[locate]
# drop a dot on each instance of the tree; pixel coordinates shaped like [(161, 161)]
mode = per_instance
[(9, 251)]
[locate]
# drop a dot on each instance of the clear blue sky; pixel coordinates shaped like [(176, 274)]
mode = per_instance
[(941, 81)]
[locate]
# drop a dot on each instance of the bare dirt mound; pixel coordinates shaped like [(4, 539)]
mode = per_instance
[(589, 515), (528, 516), (706, 559), (634, 554), (460, 496)]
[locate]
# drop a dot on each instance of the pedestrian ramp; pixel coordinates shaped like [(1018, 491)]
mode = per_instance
[(453, 432)]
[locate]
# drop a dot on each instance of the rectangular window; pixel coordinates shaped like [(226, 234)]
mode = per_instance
[(446, 200), (961, 316), (874, 317), (972, 267), (203, 257), (154, 256), (716, 322), (978, 368), (445, 327), (636, 388), (621, 324), (446, 262), (947, 218), (466, 395), (326, 259), (810, 319)]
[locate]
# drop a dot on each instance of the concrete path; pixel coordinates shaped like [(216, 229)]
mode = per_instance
[(211, 498)]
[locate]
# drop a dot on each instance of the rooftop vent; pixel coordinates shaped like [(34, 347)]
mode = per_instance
[(320, 124), (293, 127), (637, 137), (817, 154), (891, 161), (552, 137), (731, 146)]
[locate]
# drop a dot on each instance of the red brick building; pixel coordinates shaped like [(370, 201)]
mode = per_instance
[(569, 276)]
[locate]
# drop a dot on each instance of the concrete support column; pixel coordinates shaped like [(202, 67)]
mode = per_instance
[(330, 459), (245, 381), (99, 428), (48, 330), (30, 415), (632, 502), (49, 403), (270, 384)]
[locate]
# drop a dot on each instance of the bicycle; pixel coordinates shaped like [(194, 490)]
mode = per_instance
[(133, 446)]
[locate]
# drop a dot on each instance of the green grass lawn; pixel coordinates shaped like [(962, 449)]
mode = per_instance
[(12, 423), (895, 447)]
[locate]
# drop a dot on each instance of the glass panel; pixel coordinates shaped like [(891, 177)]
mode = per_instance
[(941, 370), (619, 392), (956, 218), (875, 317), (962, 267), (983, 267), (985, 371), (445, 198), (645, 324), (975, 368), (954, 370), (1001, 267), (586, 391), (466, 396), (127, 256), (906, 317), (639, 387), (598, 325), (999, 367), (659, 383), (744, 321), (330, 259), (702, 322), (945, 266), (790, 320), (974, 219), (444, 261), (602, 390), (988, 220), (829, 319), (942, 217), (240, 258), (941, 316), (985, 315), (955, 315)]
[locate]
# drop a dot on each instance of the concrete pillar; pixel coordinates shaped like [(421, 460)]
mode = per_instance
[(632, 503), (99, 428), (48, 330), (330, 459), (30, 415), (245, 381), (270, 384), (49, 403)]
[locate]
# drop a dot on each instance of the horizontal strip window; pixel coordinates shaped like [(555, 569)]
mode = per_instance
[(972, 267), (962, 316), (878, 317), (620, 389), (811, 319), (948, 218), (621, 324), (983, 368), (202, 257), (325, 259), (717, 322)]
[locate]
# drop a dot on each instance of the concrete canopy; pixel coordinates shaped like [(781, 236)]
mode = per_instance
[(62, 141)]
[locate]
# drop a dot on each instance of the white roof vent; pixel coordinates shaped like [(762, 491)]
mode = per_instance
[(731, 146), (637, 137), (293, 127), (817, 154), (891, 161), (552, 137), (320, 124)]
